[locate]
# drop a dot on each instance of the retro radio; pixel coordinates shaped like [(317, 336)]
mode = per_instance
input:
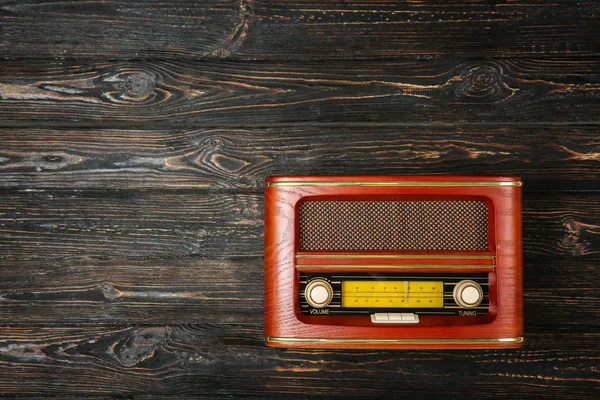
[(393, 262)]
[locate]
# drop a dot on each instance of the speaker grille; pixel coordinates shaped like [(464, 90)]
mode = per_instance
[(393, 225)]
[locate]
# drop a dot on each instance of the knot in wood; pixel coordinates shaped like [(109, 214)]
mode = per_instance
[(580, 237), (52, 158), (216, 143), (139, 85), (128, 357), (109, 291), (141, 345), (483, 84), (482, 79)]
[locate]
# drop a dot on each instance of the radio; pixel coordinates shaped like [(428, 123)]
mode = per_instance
[(393, 262)]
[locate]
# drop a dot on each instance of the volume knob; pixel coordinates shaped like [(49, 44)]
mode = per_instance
[(468, 294), (318, 293)]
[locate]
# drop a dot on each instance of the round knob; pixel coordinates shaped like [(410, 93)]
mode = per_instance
[(468, 294), (318, 293)]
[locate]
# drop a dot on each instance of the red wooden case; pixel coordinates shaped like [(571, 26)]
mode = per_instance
[(500, 260)]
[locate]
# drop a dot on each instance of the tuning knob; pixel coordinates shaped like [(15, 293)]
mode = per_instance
[(318, 293), (468, 294)]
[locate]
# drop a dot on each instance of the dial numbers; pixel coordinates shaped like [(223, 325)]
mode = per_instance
[(392, 294)]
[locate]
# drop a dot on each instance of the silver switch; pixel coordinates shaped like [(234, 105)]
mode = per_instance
[(394, 318)]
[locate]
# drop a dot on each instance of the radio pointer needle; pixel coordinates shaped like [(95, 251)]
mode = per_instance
[(406, 291)]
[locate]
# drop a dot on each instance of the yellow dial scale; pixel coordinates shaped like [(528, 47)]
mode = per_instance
[(392, 294)]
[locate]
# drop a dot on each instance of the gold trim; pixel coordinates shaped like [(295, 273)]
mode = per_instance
[(395, 183), (395, 266), (404, 256), (519, 339)]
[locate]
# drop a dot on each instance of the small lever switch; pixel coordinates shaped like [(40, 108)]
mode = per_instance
[(395, 318)]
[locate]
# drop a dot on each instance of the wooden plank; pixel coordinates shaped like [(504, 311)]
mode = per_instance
[(547, 158), (251, 29), (163, 291), (231, 360), (202, 94), (116, 224), (558, 294), (57, 225)]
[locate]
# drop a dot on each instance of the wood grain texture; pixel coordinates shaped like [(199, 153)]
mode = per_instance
[(250, 29), (159, 291), (550, 158), (55, 225), (232, 360), (201, 94)]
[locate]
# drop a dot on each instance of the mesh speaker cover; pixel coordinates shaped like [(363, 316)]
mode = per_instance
[(393, 225)]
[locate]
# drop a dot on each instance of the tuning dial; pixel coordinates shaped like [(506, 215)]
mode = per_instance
[(318, 293), (467, 294)]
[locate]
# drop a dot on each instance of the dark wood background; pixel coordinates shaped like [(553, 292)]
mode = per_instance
[(135, 137)]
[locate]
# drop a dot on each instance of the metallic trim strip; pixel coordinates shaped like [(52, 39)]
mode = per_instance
[(407, 256), (394, 266), (395, 183), (519, 339), (413, 277)]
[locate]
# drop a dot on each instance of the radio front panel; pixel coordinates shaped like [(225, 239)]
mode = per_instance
[(339, 294)]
